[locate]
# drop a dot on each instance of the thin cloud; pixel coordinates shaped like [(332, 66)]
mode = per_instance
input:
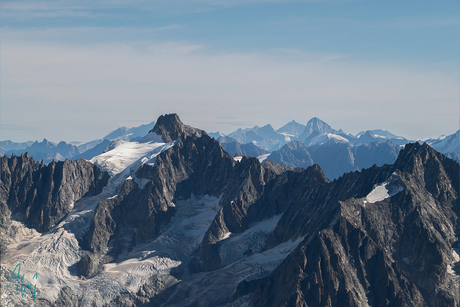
[(412, 23), (301, 55), (27, 10), (23, 10), (84, 36), (238, 123), (97, 85)]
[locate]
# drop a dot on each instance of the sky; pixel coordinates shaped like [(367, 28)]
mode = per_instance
[(76, 70)]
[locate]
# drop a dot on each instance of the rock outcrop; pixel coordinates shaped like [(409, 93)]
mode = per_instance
[(390, 241), (170, 128), (41, 195), (196, 164)]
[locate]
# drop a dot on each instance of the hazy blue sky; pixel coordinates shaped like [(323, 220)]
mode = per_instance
[(75, 70)]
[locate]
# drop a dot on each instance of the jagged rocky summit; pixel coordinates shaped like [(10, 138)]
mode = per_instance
[(42, 195), (185, 224)]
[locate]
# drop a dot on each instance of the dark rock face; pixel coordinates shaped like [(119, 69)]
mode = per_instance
[(66, 298), (194, 165), (340, 266), (42, 194), (170, 128), (293, 154), (277, 168), (393, 251), (241, 206)]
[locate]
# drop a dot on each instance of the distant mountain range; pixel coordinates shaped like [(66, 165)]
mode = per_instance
[(314, 133), (337, 152), (173, 220), (294, 145), (336, 158), (448, 145), (49, 151)]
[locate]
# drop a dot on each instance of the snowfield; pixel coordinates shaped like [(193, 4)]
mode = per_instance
[(262, 158), (322, 139), (253, 240), (122, 155)]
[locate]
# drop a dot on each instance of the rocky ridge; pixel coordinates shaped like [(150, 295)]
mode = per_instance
[(195, 227), (41, 195), (195, 165), (310, 204), (391, 250)]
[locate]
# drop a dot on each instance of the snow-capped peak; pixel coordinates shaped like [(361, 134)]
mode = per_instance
[(124, 154)]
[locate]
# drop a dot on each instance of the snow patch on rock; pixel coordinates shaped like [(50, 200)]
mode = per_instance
[(383, 191), (262, 158), (248, 242)]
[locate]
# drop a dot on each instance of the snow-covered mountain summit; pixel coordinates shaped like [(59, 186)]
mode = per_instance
[(129, 134), (316, 125), (121, 155), (379, 133), (447, 144), (315, 133), (292, 129)]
